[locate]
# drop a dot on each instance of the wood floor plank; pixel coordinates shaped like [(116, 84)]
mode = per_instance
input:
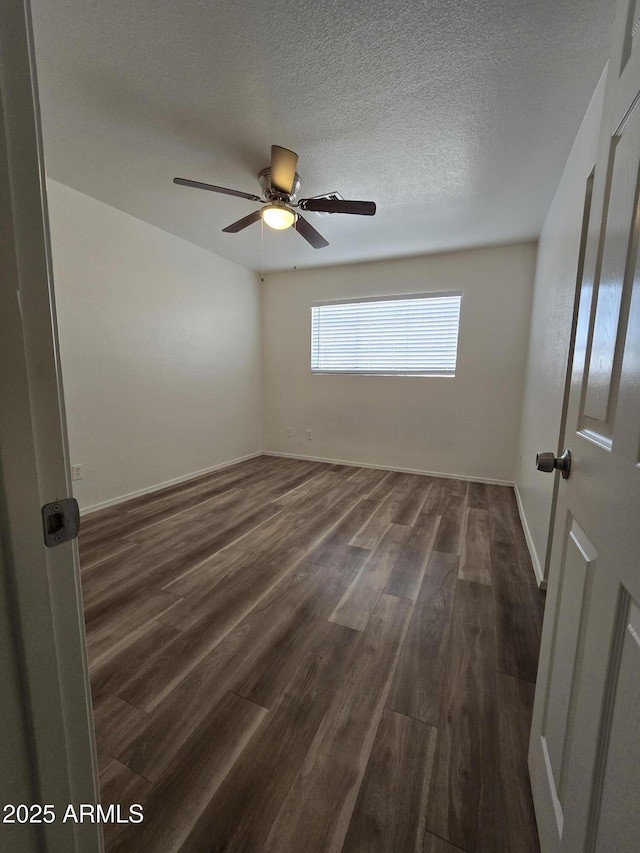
[(112, 786), (95, 557), (478, 496), (262, 677), (348, 559), (128, 657), (151, 749), (390, 811), (439, 492), (382, 486), (504, 563), (176, 801), (438, 585), (236, 597), (169, 519), (376, 525), (127, 523), (316, 483), (405, 482), (260, 553), (344, 470), (360, 599), (475, 560), (243, 810), (272, 535), (114, 523), (95, 536), (114, 721), (193, 545), (501, 493), (210, 540), (518, 627), (262, 468), (233, 591), (414, 496), (100, 527), (111, 584), (465, 807), (458, 488), (335, 490), (418, 682), (122, 787), (93, 520), (272, 490), (330, 550), (143, 598), (111, 631), (445, 491), (517, 531), (371, 477), (500, 523), (515, 706), (169, 665), (318, 807), (506, 527), (177, 496), (237, 663), (433, 844), (408, 571), (322, 531), (449, 536)]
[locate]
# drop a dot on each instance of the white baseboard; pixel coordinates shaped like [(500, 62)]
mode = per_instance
[(388, 468), (537, 568), (195, 474), (157, 488)]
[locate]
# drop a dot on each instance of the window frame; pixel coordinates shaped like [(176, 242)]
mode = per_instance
[(387, 298)]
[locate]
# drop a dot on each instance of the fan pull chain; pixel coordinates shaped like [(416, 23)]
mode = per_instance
[(262, 251)]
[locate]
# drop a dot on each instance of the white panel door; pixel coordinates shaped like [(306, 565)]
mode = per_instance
[(48, 695), (585, 742)]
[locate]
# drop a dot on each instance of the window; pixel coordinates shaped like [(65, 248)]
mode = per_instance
[(412, 335)]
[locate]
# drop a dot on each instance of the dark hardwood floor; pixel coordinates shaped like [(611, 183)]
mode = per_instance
[(296, 657)]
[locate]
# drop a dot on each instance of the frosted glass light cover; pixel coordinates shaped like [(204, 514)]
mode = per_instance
[(278, 217)]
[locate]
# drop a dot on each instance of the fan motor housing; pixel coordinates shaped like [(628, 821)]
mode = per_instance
[(272, 194)]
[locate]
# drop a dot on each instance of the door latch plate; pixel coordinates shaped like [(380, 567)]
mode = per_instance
[(60, 521)]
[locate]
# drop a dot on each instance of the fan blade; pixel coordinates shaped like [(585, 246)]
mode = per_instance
[(283, 168), (245, 222), (185, 182), (338, 205), (310, 234)]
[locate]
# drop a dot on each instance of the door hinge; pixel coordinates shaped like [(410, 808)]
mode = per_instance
[(60, 521)]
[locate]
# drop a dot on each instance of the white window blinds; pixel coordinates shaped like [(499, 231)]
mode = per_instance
[(413, 335)]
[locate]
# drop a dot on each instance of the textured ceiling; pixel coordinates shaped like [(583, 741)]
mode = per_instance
[(455, 116)]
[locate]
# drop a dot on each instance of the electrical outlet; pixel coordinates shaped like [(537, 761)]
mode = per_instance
[(309, 435), (289, 432), (76, 472)]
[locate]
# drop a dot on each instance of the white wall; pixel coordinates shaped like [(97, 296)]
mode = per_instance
[(160, 347), (465, 426), (551, 318)]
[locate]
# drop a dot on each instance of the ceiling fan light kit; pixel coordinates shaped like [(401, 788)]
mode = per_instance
[(280, 183), (278, 216)]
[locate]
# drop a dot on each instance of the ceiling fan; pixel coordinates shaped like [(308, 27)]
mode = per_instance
[(280, 182)]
